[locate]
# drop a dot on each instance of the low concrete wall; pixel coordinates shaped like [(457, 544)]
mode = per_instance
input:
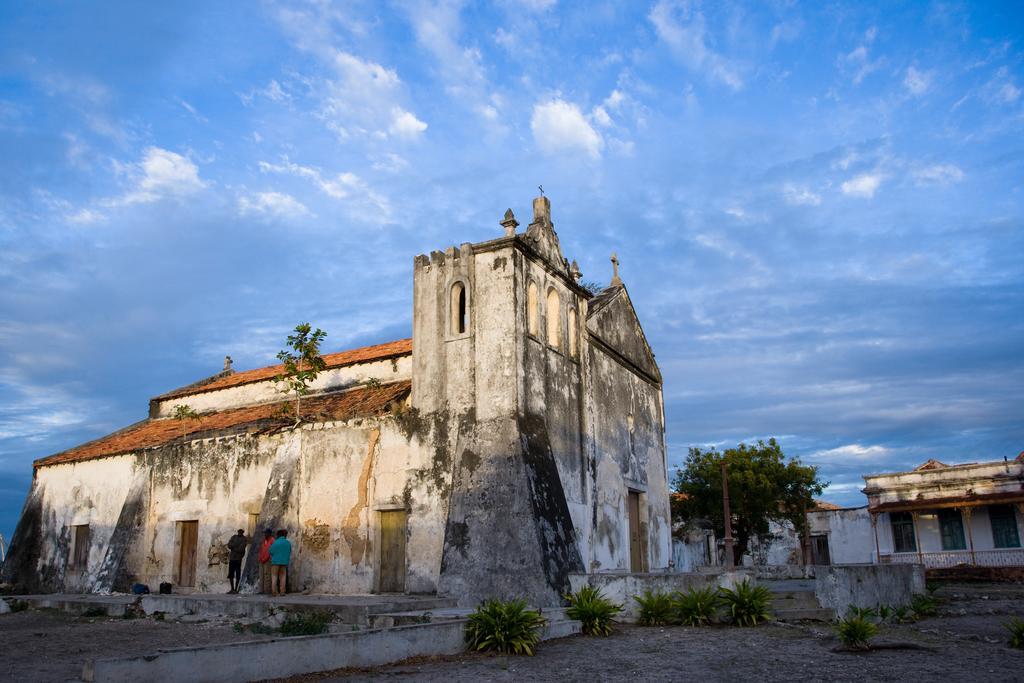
[(839, 586), (259, 660), (621, 588)]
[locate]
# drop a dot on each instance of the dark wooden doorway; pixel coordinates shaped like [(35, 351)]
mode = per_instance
[(392, 551), (636, 561), (819, 550), (188, 533)]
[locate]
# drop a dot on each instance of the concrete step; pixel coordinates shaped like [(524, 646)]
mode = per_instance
[(349, 609), (558, 624), (808, 601), (561, 628), (803, 614)]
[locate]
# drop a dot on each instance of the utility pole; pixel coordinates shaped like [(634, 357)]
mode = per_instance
[(730, 562)]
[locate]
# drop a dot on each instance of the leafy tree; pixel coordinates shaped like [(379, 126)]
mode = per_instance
[(763, 487), (302, 363), (182, 413)]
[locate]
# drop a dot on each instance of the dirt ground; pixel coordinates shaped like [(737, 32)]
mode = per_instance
[(967, 641), (48, 645)]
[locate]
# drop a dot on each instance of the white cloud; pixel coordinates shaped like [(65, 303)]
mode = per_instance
[(560, 125), (858, 60), (600, 116), (85, 217), (405, 124), (193, 111), (272, 91), (343, 186), (537, 5), (853, 451), (686, 36), (786, 31), (389, 162), (938, 174), (798, 195), (272, 204), (438, 27), (161, 174), (917, 82), (863, 185)]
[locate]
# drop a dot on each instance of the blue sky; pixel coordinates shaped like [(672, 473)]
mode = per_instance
[(818, 207)]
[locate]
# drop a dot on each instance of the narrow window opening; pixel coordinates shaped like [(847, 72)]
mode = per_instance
[(573, 341), (459, 308), (533, 319), (554, 315)]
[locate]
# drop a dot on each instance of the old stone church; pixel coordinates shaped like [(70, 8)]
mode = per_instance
[(516, 439)]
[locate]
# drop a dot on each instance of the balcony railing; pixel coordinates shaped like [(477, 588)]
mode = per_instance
[(999, 557)]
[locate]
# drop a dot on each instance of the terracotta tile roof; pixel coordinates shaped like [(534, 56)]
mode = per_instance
[(342, 405), (825, 505), (340, 359)]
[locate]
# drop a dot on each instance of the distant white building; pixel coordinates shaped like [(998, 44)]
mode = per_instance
[(946, 516)]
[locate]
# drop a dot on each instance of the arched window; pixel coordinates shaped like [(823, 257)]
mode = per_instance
[(573, 341), (532, 316), (459, 309), (554, 316)]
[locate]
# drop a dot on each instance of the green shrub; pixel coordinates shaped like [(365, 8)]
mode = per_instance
[(309, 623), (746, 604), (593, 610), (18, 605), (1016, 629), (924, 606), (902, 614), (655, 608), (508, 627), (856, 632), (95, 612), (884, 613), (696, 607), (860, 612)]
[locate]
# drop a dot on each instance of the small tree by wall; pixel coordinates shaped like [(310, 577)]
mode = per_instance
[(302, 363), (763, 487), (183, 413)]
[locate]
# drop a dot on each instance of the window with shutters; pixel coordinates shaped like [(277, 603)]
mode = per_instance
[(1003, 519), (951, 528), (903, 532)]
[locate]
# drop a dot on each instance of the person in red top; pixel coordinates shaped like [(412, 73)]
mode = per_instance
[(264, 558)]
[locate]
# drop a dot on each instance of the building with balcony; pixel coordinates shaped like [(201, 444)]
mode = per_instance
[(949, 516)]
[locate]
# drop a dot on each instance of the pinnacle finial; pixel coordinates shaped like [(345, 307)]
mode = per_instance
[(509, 223), (227, 363), (574, 270), (616, 280)]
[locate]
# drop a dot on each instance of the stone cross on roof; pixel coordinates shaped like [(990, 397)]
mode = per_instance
[(616, 280)]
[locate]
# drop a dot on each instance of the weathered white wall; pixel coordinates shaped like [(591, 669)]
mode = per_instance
[(79, 493), (851, 539), (268, 391)]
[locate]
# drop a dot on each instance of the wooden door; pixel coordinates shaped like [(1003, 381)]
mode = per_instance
[(636, 562), (819, 550), (392, 551), (187, 551)]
